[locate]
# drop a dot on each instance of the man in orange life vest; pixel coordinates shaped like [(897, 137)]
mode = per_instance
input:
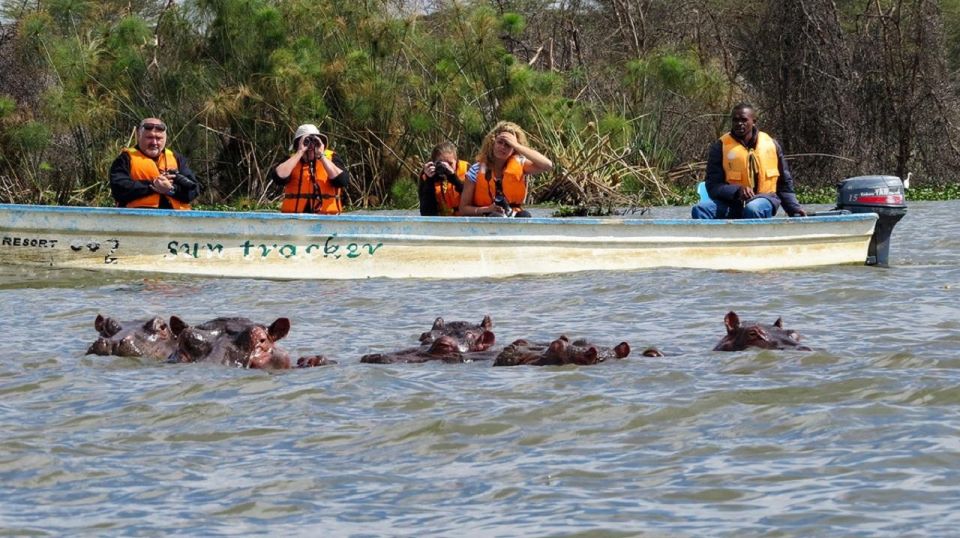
[(747, 174), (150, 175), (314, 176)]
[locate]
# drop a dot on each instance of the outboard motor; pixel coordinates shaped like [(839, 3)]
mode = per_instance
[(882, 195)]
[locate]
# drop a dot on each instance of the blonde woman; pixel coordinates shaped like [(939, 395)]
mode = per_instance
[(496, 184)]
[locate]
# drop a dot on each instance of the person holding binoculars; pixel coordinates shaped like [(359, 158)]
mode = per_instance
[(313, 177), (497, 184), (441, 182), (150, 175)]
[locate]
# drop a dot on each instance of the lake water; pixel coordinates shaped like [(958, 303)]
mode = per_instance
[(859, 438)]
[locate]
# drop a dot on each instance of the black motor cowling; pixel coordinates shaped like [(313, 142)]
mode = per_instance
[(883, 195)]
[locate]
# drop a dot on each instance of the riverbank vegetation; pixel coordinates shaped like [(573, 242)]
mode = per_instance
[(624, 96)]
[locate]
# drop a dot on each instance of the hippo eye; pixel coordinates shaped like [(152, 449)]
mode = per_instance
[(758, 334)]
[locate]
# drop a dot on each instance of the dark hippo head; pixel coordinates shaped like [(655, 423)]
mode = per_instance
[(314, 361), (152, 338), (443, 348), (232, 341), (740, 336), (558, 352), (585, 352), (519, 352), (469, 336)]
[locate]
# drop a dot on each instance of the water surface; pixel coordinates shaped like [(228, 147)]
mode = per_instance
[(858, 438)]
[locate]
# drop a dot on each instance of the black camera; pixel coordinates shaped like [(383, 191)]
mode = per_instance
[(501, 201), (440, 169), (177, 177)]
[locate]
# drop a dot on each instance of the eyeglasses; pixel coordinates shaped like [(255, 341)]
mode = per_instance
[(153, 127)]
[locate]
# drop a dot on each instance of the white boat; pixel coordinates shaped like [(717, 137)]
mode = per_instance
[(351, 246)]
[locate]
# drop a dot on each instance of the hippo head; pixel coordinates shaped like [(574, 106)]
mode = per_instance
[(152, 338), (520, 351), (469, 337), (558, 352), (235, 341), (445, 345), (740, 336), (193, 343), (257, 345), (583, 352)]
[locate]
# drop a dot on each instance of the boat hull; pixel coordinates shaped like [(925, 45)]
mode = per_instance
[(282, 246)]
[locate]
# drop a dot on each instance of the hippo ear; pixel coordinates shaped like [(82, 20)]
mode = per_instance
[(177, 325), (279, 328), (779, 323), (557, 346), (732, 321), (485, 340), (564, 338), (590, 356), (106, 327), (621, 350), (487, 323), (652, 352), (154, 325), (438, 324)]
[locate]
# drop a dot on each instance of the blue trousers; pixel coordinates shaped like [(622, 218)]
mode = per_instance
[(758, 208)]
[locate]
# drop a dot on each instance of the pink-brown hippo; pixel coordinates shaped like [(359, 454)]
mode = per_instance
[(741, 335), (443, 348), (560, 351), (232, 341)]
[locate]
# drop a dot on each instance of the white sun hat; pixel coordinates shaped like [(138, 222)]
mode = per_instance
[(304, 130)]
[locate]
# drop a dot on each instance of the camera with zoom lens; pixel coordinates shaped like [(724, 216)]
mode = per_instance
[(501, 201), (440, 170), (177, 177)]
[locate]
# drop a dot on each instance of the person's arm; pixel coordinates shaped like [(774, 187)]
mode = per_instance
[(716, 182), (535, 162), (336, 171), (186, 187), (455, 181), (785, 186), (283, 170), (122, 187), (467, 209)]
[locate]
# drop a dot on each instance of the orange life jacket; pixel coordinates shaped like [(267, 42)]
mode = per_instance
[(514, 185), (448, 199), (145, 169), (299, 196), (755, 168)]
